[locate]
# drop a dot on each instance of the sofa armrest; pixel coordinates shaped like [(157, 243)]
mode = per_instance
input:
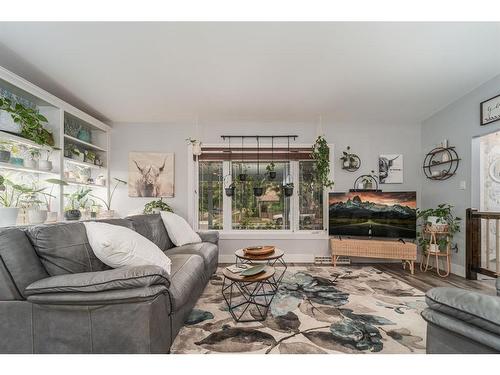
[(211, 236), (93, 282), (480, 310)]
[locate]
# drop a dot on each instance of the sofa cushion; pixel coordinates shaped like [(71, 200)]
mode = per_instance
[(64, 247), (19, 259), (152, 227), (208, 251), (477, 309), (186, 277)]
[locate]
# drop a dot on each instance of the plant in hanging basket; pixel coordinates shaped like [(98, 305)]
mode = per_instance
[(321, 155), (258, 188), (288, 189), (230, 190), (270, 170)]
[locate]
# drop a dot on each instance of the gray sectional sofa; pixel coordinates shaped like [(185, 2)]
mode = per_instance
[(462, 321), (57, 297)]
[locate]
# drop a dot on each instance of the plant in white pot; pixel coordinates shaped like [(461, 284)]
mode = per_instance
[(34, 155), (439, 219), (37, 212), (109, 213), (52, 215), (11, 197), (157, 206), (46, 164)]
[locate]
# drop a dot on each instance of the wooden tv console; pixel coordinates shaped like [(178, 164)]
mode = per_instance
[(383, 249)]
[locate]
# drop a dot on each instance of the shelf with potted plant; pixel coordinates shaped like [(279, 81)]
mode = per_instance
[(84, 144), (83, 163)]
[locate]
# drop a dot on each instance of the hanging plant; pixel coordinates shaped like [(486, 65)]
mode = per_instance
[(270, 171), (321, 155), (30, 120), (288, 189)]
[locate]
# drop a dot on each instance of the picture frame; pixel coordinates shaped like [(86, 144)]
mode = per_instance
[(490, 110), (151, 174)]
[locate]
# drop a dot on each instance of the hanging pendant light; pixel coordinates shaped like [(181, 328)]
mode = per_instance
[(258, 190), (288, 186)]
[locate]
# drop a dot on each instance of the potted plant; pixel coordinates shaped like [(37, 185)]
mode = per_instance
[(321, 155), (270, 170), (109, 213), (46, 164), (349, 160), (52, 215), (15, 155), (258, 188), (196, 146), (242, 176), (34, 156), (440, 219), (367, 180), (229, 189), (33, 203), (89, 156), (288, 189), (77, 154), (156, 206), (32, 122), (76, 200), (11, 197), (4, 151)]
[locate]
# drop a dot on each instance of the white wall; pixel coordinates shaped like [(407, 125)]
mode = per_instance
[(367, 140), (459, 122)]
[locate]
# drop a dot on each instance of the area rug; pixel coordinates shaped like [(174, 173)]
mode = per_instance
[(315, 310)]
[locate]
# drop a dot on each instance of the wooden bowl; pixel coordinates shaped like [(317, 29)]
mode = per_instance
[(259, 250)]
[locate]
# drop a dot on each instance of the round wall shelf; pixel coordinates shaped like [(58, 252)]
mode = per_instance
[(441, 163)]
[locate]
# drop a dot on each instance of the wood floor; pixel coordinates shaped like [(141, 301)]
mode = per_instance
[(427, 280)]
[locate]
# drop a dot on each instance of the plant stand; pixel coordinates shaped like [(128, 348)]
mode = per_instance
[(436, 253)]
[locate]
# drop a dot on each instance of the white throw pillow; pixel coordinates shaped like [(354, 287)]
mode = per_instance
[(179, 231), (118, 246)]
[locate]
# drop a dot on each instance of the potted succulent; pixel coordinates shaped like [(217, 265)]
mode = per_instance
[(34, 157), (76, 201), (4, 151), (109, 213), (270, 170), (156, 206), (31, 121), (288, 189)]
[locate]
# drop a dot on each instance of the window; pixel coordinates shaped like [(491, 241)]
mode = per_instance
[(210, 195), (271, 210), (310, 198)]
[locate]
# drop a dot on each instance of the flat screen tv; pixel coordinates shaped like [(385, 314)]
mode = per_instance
[(373, 214)]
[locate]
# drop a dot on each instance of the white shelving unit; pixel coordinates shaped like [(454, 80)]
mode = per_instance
[(56, 111)]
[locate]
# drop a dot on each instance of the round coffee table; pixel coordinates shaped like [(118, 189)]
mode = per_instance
[(241, 293), (274, 259)]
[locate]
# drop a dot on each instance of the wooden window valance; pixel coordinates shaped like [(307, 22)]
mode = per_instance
[(250, 153)]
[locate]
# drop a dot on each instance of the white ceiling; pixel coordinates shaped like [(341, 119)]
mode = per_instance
[(162, 72)]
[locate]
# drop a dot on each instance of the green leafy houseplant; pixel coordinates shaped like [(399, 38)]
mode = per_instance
[(30, 120), (321, 155), (444, 215), (48, 197), (367, 180), (76, 200), (106, 203), (271, 171), (156, 206)]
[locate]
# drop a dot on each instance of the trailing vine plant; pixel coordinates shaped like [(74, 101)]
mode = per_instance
[(30, 120), (321, 156)]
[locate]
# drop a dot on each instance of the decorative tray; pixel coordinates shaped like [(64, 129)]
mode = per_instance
[(259, 250), (252, 271)]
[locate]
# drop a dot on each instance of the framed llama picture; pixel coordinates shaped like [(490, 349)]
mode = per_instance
[(150, 174), (390, 169), (490, 110)]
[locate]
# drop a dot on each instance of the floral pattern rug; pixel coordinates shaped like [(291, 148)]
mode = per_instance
[(317, 309)]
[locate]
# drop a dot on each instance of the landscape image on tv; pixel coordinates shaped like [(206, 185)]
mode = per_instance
[(376, 214)]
